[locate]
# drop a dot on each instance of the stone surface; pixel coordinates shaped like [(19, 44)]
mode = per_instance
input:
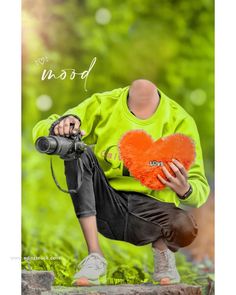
[(144, 289), (34, 282), (27, 290), (40, 283)]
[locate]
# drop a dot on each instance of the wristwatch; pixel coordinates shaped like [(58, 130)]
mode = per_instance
[(187, 194)]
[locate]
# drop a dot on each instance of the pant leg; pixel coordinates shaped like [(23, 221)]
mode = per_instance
[(127, 216), (149, 220), (97, 197)]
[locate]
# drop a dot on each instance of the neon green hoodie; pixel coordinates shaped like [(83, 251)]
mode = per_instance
[(105, 117)]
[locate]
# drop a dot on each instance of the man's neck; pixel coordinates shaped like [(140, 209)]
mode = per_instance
[(143, 107)]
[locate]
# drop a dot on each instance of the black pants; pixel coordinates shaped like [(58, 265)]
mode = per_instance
[(127, 216)]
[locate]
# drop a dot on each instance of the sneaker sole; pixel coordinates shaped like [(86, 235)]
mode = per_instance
[(167, 281), (85, 282)]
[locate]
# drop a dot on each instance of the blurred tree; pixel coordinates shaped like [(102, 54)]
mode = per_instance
[(170, 43)]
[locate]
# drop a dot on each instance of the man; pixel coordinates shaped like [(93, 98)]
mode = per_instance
[(111, 201)]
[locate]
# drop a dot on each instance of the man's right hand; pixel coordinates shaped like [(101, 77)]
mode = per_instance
[(68, 126)]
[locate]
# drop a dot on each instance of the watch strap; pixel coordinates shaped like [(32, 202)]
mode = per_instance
[(187, 194)]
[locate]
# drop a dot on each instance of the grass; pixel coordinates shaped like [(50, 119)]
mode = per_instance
[(52, 238)]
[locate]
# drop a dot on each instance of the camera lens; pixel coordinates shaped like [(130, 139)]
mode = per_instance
[(46, 145), (43, 145)]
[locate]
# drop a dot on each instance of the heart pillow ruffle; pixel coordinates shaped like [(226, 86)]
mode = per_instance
[(144, 157)]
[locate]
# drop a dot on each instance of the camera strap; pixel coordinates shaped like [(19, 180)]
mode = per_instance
[(79, 170)]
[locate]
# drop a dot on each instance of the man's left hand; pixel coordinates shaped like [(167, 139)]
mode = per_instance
[(178, 183)]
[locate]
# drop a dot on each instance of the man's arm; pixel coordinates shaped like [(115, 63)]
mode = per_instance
[(88, 112), (43, 126), (191, 187), (196, 174)]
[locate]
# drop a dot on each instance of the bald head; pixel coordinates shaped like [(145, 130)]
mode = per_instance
[(143, 98), (142, 89)]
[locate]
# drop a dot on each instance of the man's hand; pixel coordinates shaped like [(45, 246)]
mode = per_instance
[(68, 126), (178, 183)]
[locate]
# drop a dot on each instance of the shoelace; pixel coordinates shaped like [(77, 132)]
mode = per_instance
[(90, 264)]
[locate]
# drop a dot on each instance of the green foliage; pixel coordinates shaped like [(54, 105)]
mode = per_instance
[(169, 42)]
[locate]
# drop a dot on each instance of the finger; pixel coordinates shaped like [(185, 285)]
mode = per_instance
[(168, 175), (181, 167), (61, 128), (177, 172), (76, 125), (165, 182), (71, 128), (55, 130), (66, 126)]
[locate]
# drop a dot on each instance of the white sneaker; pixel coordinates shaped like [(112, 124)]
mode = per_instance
[(165, 270), (92, 271)]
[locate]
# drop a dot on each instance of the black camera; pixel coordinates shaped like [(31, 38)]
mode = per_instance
[(62, 146), (68, 148)]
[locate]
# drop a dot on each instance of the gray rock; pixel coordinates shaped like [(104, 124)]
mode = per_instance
[(142, 289), (27, 290), (34, 282)]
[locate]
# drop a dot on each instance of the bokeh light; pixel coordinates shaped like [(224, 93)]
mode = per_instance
[(103, 16), (44, 102), (198, 97)]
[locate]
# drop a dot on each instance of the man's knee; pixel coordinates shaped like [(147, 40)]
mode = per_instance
[(183, 229), (88, 158)]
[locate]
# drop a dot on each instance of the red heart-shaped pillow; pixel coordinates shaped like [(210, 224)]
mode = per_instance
[(144, 157)]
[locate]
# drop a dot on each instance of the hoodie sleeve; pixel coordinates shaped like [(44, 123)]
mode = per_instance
[(42, 128), (196, 174), (88, 112)]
